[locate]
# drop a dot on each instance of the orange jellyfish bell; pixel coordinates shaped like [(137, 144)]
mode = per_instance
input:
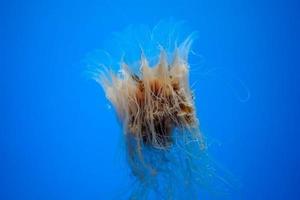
[(154, 102)]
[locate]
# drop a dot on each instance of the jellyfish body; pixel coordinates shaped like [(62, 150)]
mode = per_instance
[(164, 146)]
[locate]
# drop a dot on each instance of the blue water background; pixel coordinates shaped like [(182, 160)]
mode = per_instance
[(59, 139)]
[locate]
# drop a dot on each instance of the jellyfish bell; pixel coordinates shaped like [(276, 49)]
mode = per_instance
[(155, 101)]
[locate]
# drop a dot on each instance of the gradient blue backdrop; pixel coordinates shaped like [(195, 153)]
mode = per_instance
[(58, 139)]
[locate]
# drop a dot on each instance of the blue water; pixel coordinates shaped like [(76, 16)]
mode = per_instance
[(59, 139)]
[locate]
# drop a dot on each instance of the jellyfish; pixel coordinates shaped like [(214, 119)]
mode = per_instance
[(153, 100)]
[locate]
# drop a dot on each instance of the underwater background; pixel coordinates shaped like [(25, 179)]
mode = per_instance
[(60, 140)]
